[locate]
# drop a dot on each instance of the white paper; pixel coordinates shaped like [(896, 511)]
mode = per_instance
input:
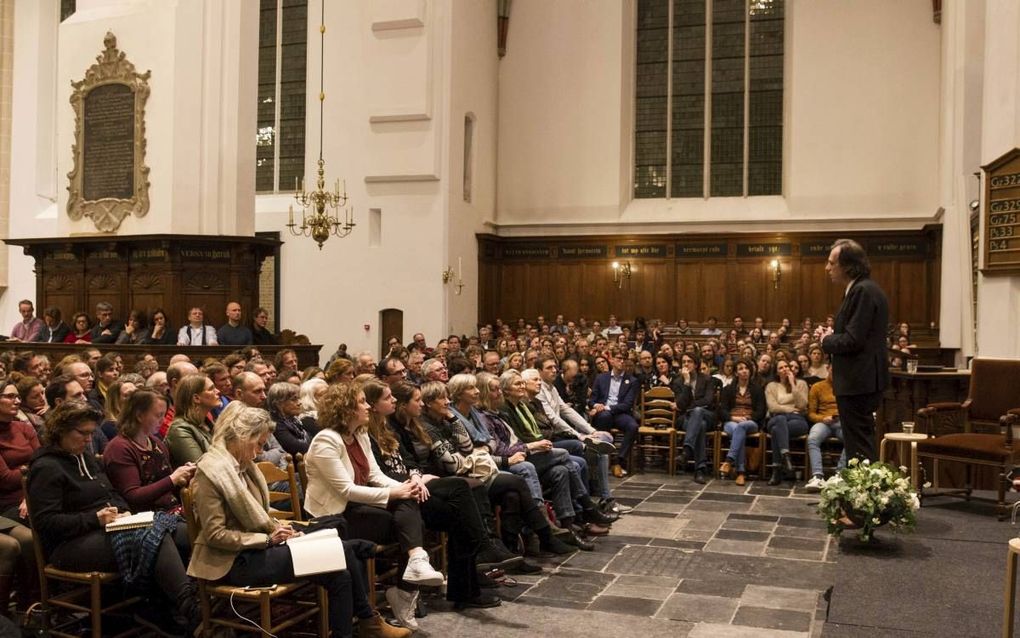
[(317, 553), (140, 519)]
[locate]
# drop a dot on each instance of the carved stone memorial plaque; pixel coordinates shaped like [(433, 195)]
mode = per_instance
[(109, 179)]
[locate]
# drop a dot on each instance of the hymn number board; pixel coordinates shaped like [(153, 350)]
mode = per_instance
[(1002, 215)]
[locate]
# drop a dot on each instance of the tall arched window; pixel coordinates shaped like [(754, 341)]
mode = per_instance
[(709, 98)]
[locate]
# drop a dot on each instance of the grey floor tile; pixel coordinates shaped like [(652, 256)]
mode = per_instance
[(797, 554), (641, 511), (651, 587), (749, 526), (628, 606), (773, 618), (754, 517), (689, 545), (550, 602), (648, 526), (804, 544), (805, 600), (719, 506), (650, 561), (798, 521), (799, 532), (688, 534), (741, 535), (714, 630), (718, 585), (571, 585), (653, 506), (698, 608), (726, 498), (742, 548), (589, 561), (704, 520)]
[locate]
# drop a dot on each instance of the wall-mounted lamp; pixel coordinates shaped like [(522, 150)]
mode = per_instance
[(620, 272), (449, 274), (776, 273)]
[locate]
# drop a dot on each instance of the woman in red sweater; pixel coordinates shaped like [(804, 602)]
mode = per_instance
[(18, 441), (138, 462)]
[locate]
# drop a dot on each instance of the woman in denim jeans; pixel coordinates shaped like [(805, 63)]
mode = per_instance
[(787, 399), (741, 409)]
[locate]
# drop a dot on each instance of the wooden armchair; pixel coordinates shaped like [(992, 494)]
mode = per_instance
[(977, 432)]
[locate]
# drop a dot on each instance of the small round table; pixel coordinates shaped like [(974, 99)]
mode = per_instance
[(899, 438)]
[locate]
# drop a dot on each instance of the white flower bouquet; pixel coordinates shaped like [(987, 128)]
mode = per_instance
[(865, 496)]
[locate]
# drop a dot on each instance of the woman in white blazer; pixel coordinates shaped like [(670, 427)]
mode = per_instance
[(344, 478)]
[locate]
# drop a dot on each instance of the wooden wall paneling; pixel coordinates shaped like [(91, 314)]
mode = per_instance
[(913, 287), (751, 288), (651, 289), (817, 296), (688, 290)]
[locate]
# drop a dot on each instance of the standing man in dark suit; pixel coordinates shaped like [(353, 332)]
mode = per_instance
[(857, 345), (612, 403)]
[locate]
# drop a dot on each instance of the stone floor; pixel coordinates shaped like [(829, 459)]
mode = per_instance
[(702, 561)]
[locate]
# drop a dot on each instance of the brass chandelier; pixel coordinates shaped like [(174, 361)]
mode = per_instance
[(321, 209)]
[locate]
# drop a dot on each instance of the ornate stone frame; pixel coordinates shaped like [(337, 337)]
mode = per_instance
[(111, 67)]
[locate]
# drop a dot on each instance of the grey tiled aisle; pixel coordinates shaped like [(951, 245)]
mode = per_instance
[(690, 560)]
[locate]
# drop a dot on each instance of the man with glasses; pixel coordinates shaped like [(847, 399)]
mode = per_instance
[(391, 371), (611, 405)]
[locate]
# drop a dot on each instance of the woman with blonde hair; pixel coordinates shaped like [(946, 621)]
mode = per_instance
[(241, 544), (787, 400)]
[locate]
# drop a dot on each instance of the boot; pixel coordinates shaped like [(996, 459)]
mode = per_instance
[(376, 627)]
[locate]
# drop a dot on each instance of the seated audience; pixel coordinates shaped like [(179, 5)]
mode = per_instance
[(261, 336), (138, 462), (134, 329), (18, 442), (447, 504), (611, 405), (196, 332), (312, 392), (72, 501), (695, 400), (28, 328), (284, 404), (233, 333), (344, 478), (54, 330), (190, 433), (741, 409), (787, 399), (159, 331), (241, 544), (116, 397), (824, 416), (81, 330), (33, 399), (106, 328)]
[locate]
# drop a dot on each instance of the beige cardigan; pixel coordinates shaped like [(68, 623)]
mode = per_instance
[(331, 476), (223, 536)]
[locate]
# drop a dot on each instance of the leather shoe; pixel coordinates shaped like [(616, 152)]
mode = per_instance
[(725, 470), (699, 476), (787, 464), (592, 529), (740, 480), (682, 460), (776, 477), (481, 601), (595, 516), (579, 543), (618, 471)]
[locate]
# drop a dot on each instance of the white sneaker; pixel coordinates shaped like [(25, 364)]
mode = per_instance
[(815, 484), (402, 604), (420, 572)]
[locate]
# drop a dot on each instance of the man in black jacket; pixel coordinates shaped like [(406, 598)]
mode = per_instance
[(857, 345), (695, 400)]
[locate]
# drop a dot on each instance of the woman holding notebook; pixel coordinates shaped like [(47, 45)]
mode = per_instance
[(71, 502), (241, 544)]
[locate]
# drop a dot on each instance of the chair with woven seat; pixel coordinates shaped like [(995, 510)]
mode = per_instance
[(278, 608), (273, 475), (988, 417), (84, 596), (657, 428)]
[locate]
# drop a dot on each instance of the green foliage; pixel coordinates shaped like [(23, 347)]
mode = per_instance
[(865, 496)]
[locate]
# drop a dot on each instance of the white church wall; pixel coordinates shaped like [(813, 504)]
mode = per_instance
[(861, 123), (999, 296)]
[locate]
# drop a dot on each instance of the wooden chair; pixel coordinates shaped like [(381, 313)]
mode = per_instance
[(657, 428), (988, 450), (754, 445), (85, 594), (985, 436), (293, 603), (274, 474)]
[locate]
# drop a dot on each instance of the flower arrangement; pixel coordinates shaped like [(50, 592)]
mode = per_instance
[(865, 496)]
